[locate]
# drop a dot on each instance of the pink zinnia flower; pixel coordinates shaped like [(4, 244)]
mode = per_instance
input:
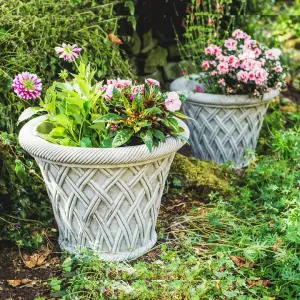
[(238, 34), (223, 68), (68, 52), (205, 65), (173, 102), (230, 44), (242, 76), (152, 81), (27, 85)]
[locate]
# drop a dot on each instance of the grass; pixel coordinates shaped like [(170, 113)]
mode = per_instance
[(243, 244)]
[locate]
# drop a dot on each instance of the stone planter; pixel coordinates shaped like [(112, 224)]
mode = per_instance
[(224, 127), (106, 200)]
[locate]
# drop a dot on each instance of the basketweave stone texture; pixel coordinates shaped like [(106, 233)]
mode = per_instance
[(106, 200), (224, 128)]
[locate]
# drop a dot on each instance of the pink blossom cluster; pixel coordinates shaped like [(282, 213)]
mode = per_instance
[(172, 102), (242, 65)]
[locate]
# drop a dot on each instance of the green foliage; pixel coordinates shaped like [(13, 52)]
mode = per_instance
[(244, 245)]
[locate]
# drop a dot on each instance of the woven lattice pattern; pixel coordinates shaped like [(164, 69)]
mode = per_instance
[(224, 133), (112, 210)]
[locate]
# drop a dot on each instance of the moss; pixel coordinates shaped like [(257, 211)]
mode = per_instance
[(199, 178)]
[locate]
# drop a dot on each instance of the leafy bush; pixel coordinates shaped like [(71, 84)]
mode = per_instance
[(29, 30)]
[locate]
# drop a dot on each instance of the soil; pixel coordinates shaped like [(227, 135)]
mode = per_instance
[(13, 268)]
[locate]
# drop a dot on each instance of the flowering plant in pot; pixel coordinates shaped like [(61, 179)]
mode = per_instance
[(229, 98), (104, 151)]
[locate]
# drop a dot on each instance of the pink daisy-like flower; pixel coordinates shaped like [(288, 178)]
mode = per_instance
[(152, 81), (68, 52), (27, 85)]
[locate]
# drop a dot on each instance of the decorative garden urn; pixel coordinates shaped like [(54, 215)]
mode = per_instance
[(104, 199), (224, 128)]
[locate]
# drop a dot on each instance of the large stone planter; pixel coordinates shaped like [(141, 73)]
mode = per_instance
[(224, 127), (103, 199)]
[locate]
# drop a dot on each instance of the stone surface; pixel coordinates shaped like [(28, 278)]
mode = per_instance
[(172, 70), (173, 51), (148, 42), (137, 43), (157, 57)]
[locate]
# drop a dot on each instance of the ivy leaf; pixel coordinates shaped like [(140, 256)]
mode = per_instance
[(130, 5), (122, 137), (86, 142), (28, 113), (147, 138), (159, 135)]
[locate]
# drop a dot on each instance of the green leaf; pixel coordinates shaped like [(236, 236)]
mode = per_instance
[(152, 111), (86, 142), (20, 169), (131, 7), (132, 20), (62, 119), (147, 138), (122, 137), (138, 103), (58, 132), (159, 134), (108, 118), (181, 115), (107, 143), (28, 113), (45, 128)]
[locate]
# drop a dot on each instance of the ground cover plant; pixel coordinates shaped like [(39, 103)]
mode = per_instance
[(243, 244)]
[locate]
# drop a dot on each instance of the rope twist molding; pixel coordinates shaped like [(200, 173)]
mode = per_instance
[(106, 200), (223, 127)]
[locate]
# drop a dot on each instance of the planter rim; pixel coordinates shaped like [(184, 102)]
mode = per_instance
[(42, 149), (187, 86)]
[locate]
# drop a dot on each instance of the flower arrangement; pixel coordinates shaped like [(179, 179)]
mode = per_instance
[(85, 113), (241, 66)]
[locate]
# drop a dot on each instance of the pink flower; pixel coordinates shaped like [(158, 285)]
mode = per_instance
[(229, 90), (183, 72), (213, 63), (121, 83), (251, 75), (152, 81), (249, 44), (213, 50), (233, 61), (138, 89), (263, 61), (248, 64), (238, 34), (278, 85), (114, 127), (173, 102), (278, 69), (257, 52), (230, 44), (199, 89), (109, 91), (27, 85), (222, 82), (261, 74), (111, 81), (269, 54), (68, 52), (214, 73), (223, 68), (242, 76), (255, 93), (246, 36), (273, 54), (205, 65)]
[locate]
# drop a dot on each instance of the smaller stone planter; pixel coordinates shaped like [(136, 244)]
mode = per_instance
[(224, 127), (106, 200)]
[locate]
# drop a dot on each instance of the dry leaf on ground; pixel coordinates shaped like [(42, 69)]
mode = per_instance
[(18, 282), (36, 259)]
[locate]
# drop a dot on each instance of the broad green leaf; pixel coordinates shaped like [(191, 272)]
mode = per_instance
[(159, 135), (57, 132), (122, 137), (182, 116), (28, 113), (67, 142), (84, 88), (62, 119), (107, 143), (76, 101), (86, 142), (147, 138), (152, 111), (130, 5), (100, 126), (109, 117), (138, 103), (132, 20), (45, 128)]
